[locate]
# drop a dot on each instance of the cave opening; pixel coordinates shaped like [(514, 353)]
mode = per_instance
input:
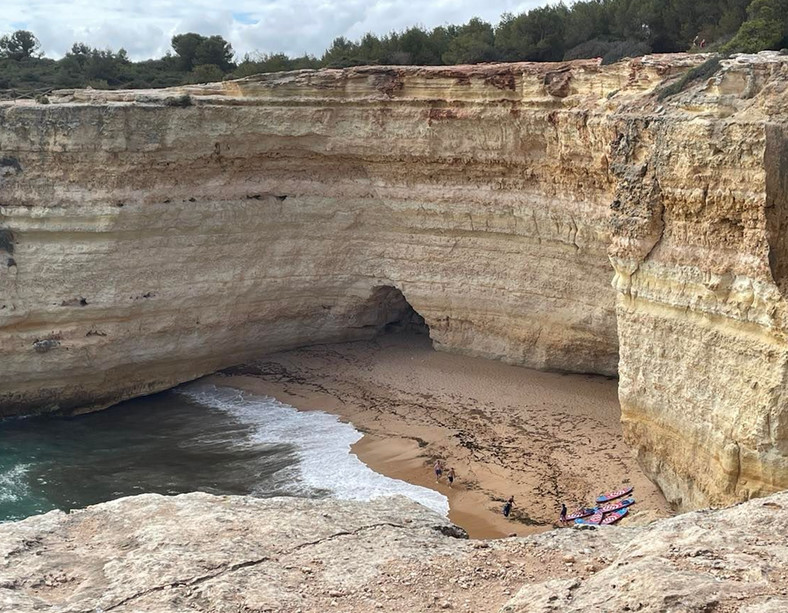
[(389, 312)]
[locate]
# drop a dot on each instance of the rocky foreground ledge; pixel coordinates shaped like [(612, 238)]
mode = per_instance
[(198, 552)]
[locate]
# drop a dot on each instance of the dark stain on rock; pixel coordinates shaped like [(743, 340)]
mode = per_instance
[(9, 165), (557, 83), (182, 101), (442, 114), (452, 531), (502, 81), (75, 302), (7, 241), (388, 83)]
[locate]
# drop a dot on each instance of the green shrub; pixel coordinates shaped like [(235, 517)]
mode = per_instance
[(765, 28), (179, 101), (627, 48), (697, 73)]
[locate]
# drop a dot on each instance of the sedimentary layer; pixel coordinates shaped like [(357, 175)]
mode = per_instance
[(698, 249), (152, 237), (197, 552)]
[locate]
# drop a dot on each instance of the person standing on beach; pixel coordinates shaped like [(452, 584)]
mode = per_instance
[(563, 513), (450, 476), (507, 508), (438, 470)]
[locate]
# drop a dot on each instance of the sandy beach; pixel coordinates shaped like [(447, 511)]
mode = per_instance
[(544, 438)]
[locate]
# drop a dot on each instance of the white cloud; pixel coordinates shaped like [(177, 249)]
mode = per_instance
[(144, 28)]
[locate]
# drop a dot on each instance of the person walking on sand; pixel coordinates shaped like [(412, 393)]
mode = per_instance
[(562, 517), (507, 508), (450, 476), (438, 470)]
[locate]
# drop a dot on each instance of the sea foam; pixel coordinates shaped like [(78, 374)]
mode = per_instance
[(322, 441), (13, 484)]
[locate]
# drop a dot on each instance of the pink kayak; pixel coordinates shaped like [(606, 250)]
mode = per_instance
[(616, 505), (614, 516), (613, 495), (581, 513), (593, 520)]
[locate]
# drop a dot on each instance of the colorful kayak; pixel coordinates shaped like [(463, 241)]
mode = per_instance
[(581, 513), (615, 505), (613, 495), (593, 520), (614, 516)]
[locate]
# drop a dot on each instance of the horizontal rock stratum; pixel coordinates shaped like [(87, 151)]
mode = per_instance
[(201, 553), (150, 237)]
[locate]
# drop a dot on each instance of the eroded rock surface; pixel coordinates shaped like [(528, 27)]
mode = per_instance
[(150, 237), (197, 552), (699, 253)]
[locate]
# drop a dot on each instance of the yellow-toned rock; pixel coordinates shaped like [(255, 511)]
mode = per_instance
[(150, 237)]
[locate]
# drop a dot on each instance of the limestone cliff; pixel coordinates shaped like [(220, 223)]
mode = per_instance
[(201, 553), (699, 224), (152, 237)]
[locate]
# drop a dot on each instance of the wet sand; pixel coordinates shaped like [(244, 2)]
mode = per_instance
[(544, 438)]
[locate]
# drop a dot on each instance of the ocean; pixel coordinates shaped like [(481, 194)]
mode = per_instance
[(197, 437)]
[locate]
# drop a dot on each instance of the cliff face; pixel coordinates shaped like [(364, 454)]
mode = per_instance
[(152, 243), (152, 237), (202, 553), (699, 225)]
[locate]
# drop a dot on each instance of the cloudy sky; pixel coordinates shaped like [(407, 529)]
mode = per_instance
[(144, 27)]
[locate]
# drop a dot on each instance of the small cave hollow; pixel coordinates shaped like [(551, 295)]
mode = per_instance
[(388, 311)]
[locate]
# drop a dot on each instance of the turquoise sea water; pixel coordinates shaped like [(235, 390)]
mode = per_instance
[(198, 437)]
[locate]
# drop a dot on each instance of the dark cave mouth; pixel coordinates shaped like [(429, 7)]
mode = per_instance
[(388, 311)]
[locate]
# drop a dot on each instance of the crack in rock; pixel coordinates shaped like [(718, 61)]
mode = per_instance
[(239, 565)]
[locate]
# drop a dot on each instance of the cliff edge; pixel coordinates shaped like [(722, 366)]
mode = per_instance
[(226, 554)]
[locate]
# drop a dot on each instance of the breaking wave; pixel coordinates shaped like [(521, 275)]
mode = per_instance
[(13, 483), (322, 443)]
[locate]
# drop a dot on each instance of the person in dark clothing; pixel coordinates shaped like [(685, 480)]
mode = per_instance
[(450, 476), (563, 513), (507, 508)]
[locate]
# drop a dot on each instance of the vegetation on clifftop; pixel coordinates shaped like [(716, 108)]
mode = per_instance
[(611, 29)]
